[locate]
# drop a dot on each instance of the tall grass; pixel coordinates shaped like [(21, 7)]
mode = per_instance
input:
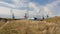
[(30, 27)]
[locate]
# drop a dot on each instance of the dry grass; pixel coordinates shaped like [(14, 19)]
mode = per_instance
[(30, 27)]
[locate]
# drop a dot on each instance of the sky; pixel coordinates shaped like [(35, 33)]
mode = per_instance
[(36, 8)]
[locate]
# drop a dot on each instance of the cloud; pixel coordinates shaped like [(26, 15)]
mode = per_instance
[(17, 4), (39, 10), (20, 3), (7, 12), (18, 12), (4, 10), (34, 8), (8, 1), (7, 4), (53, 8), (50, 8)]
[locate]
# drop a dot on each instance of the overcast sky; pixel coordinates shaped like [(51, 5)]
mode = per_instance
[(36, 7)]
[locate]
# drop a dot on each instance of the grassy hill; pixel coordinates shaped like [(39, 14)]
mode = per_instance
[(53, 19), (48, 26)]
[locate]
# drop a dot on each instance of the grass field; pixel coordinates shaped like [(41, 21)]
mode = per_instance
[(48, 26)]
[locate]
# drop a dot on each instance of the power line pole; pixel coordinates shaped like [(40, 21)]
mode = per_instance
[(13, 17), (27, 9), (27, 12)]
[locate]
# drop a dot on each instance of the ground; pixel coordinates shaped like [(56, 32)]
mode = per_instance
[(48, 26)]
